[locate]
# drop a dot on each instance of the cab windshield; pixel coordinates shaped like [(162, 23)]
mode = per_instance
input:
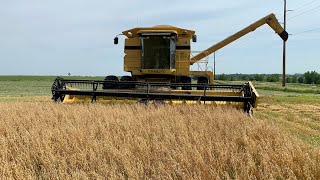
[(158, 52)]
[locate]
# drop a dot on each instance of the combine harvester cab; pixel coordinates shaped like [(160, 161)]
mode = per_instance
[(159, 61)]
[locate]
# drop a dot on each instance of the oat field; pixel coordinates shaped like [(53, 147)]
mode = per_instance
[(48, 140), (40, 139)]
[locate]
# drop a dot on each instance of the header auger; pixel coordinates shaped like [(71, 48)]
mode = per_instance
[(159, 60)]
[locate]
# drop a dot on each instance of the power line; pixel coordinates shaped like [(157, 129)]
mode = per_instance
[(310, 30), (304, 5), (304, 13)]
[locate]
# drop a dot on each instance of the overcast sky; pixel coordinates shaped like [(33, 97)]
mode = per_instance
[(57, 37)]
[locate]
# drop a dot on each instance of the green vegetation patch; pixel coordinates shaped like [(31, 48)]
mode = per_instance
[(18, 87), (46, 78), (291, 88)]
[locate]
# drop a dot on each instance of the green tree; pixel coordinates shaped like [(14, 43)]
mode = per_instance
[(273, 78), (245, 77), (222, 77), (311, 77), (301, 79), (294, 79), (289, 79), (258, 77)]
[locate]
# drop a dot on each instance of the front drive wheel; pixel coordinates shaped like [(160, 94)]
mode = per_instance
[(110, 84)]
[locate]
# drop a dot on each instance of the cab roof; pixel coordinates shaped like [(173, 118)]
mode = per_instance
[(135, 32)]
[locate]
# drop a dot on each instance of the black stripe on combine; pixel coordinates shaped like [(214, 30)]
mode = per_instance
[(182, 47), (132, 47), (139, 47)]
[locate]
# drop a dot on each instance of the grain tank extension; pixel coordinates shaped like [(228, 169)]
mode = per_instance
[(159, 59)]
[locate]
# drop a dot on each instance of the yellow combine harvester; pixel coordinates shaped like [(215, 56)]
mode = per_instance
[(159, 61)]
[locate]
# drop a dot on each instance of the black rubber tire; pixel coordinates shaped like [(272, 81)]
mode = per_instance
[(110, 85), (185, 80), (202, 80), (176, 80), (127, 79)]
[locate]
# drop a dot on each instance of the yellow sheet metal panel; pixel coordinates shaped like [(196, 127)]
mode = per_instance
[(133, 54), (182, 66), (131, 66), (255, 95), (132, 58), (132, 42), (183, 56), (158, 71), (183, 71), (183, 41), (157, 31)]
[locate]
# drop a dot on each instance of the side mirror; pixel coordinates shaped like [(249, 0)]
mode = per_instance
[(116, 40), (194, 38)]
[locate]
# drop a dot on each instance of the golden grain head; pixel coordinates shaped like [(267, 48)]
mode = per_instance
[(47, 140)]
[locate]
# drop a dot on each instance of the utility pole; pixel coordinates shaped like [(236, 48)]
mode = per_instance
[(284, 47), (214, 65)]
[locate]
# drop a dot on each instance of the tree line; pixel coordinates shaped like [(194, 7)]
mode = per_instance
[(310, 77)]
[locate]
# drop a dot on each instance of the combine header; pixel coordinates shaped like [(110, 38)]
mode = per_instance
[(159, 61)]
